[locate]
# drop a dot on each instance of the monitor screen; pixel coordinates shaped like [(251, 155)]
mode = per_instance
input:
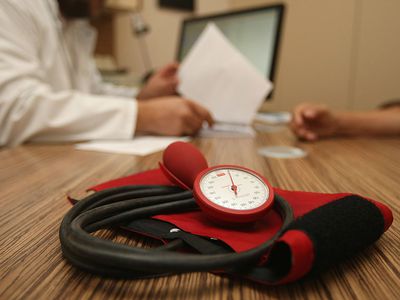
[(254, 32)]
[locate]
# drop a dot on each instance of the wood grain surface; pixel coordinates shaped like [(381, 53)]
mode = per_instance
[(35, 179)]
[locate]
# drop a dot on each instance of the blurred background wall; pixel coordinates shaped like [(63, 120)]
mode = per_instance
[(345, 53)]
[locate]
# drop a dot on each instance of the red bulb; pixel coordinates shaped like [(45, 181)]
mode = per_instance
[(182, 162)]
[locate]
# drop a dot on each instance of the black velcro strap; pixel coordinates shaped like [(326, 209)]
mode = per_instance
[(340, 229), (167, 231)]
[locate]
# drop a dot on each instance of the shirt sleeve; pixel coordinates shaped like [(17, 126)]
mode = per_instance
[(30, 110)]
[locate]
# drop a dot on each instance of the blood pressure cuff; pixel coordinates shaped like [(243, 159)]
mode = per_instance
[(327, 229)]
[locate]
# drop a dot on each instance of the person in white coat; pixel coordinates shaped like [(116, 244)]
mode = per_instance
[(50, 90)]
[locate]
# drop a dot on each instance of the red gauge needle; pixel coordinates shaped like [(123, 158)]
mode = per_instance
[(234, 186)]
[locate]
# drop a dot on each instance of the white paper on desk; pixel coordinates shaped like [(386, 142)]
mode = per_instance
[(274, 118), (227, 130), (218, 76), (138, 146)]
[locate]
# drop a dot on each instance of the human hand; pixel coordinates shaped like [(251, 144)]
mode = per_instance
[(171, 116), (162, 83), (311, 122)]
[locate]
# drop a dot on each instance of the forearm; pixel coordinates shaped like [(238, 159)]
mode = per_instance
[(37, 114), (377, 122)]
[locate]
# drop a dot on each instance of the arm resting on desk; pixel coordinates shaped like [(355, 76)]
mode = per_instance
[(312, 122)]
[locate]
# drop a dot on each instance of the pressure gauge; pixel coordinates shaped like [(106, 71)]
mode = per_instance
[(233, 194)]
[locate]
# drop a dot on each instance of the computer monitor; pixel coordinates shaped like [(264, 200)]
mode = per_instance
[(254, 32)]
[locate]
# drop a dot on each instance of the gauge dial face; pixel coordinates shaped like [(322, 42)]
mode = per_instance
[(235, 189)]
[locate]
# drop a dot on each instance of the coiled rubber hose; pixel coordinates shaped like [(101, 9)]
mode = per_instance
[(118, 206)]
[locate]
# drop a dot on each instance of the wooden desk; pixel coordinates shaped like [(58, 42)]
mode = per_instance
[(34, 181)]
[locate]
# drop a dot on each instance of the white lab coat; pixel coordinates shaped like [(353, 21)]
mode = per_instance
[(50, 90)]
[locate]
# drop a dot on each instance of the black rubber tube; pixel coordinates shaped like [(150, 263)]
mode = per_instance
[(117, 206)]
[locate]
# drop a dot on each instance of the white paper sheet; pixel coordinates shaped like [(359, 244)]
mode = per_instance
[(218, 76), (274, 118), (227, 130), (138, 146)]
